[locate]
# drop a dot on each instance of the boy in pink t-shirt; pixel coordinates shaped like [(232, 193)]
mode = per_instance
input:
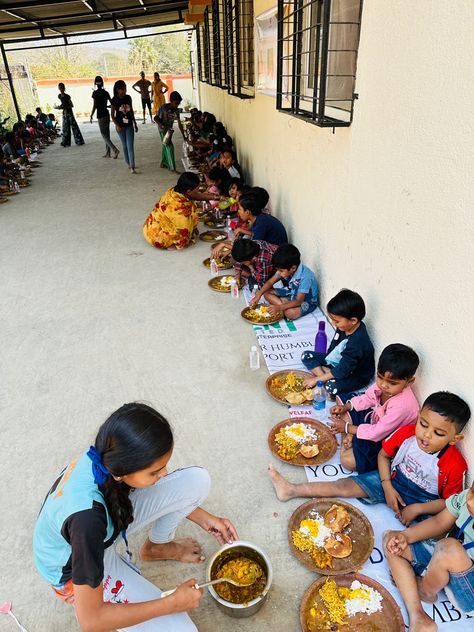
[(386, 405)]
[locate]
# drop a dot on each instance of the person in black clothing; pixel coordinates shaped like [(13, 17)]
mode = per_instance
[(69, 121), (124, 118), (101, 98), (349, 363)]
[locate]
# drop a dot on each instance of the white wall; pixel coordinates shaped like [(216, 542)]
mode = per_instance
[(385, 207), (82, 99)]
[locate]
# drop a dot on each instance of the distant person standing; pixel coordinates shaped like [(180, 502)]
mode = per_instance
[(69, 122), (158, 91), (143, 87), (124, 118), (167, 115), (101, 99)]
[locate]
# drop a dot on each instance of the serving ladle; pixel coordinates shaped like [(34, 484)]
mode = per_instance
[(242, 583)]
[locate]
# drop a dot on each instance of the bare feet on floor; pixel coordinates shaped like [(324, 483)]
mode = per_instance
[(425, 596), (422, 623), (283, 489), (183, 550)]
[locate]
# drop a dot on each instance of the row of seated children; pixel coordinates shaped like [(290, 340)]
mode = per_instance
[(211, 143), (26, 138), (400, 455)]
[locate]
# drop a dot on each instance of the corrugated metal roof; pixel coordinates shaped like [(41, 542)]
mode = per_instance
[(22, 21)]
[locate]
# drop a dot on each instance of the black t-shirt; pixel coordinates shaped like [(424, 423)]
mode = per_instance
[(101, 98), (85, 532), (123, 110)]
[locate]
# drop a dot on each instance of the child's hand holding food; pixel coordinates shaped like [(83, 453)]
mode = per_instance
[(396, 542), (339, 409), (309, 382), (337, 424)]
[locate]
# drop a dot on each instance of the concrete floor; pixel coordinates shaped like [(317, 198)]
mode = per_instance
[(93, 317)]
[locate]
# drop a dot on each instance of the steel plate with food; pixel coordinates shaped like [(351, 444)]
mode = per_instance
[(349, 603), (287, 387), (259, 315), (222, 264), (213, 235), (221, 283), (301, 441), (330, 536)]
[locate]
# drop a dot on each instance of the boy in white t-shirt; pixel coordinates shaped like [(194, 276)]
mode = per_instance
[(419, 466)]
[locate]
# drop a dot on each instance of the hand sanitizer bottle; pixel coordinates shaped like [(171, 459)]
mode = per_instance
[(214, 268), (234, 289), (254, 359)]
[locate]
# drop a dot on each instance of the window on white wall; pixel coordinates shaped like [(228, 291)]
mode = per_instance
[(318, 42)]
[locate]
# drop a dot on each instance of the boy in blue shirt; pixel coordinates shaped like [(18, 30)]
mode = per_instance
[(299, 296), (262, 226)]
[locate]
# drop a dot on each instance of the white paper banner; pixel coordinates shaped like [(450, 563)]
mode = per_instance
[(283, 343), (445, 615)]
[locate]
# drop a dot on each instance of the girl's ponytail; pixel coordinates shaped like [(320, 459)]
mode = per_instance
[(131, 439)]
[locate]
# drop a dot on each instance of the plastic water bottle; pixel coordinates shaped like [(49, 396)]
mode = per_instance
[(11, 186), (214, 268), (319, 402), (228, 228), (321, 340), (254, 359), (234, 289), (254, 292), (17, 187)]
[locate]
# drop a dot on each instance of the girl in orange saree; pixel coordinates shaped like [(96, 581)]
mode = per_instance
[(173, 221)]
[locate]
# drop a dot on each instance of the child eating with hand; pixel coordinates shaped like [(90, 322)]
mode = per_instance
[(300, 294), (386, 405), (349, 362), (419, 466), (262, 226), (254, 257), (421, 566)]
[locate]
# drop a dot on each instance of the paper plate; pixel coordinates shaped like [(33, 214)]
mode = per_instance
[(359, 530), (246, 315), (281, 375), (326, 442), (222, 264), (389, 619), (213, 235), (215, 283)]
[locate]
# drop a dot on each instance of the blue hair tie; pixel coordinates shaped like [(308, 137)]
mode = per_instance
[(98, 468)]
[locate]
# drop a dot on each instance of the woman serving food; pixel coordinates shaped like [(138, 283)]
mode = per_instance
[(118, 486)]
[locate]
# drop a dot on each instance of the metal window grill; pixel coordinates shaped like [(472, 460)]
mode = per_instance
[(240, 47), (217, 62), (318, 41)]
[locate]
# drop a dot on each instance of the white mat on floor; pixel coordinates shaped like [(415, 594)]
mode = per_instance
[(283, 343), (445, 615)]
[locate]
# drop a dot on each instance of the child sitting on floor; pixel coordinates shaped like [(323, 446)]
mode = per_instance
[(349, 363), (300, 294), (386, 405), (217, 181), (228, 160), (263, 227), (421, 567), (256, 256), (419, 465)]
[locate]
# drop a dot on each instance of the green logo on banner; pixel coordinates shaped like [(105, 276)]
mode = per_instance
[(289, 324)]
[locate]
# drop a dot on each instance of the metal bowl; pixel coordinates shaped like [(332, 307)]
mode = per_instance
[(229, 552)]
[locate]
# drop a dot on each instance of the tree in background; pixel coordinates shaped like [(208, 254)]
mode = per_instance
[(142, 54), (62, 63), (173, 54)]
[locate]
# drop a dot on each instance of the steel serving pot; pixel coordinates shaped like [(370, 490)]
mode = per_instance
[(229, 552)]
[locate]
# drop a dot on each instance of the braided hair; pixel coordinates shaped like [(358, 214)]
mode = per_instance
[(131, 439)]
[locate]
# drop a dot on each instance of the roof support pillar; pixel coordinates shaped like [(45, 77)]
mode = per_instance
[(10, 80)]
